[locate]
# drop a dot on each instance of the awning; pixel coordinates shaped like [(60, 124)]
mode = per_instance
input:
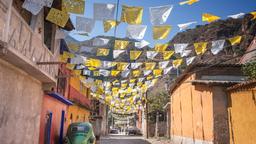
[(60, 98)]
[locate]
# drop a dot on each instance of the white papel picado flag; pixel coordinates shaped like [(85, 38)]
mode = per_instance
[(136, 31), (103, 11), (160, 14)]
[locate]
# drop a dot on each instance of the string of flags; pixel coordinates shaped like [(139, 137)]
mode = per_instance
[(122, 84)]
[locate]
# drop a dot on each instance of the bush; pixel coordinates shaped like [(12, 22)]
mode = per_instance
[(249, 69)]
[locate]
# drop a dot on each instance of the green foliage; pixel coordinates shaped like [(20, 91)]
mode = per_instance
[(249, 69), (157, 101)]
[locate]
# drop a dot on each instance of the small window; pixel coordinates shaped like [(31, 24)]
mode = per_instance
[(48, 35), (26, 15)]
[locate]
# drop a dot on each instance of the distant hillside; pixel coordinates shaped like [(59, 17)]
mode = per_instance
[(221, 29)]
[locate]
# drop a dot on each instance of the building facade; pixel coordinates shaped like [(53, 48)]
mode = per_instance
[(199, 104)]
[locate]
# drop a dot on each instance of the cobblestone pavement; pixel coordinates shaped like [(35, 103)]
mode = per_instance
[(122, 139)]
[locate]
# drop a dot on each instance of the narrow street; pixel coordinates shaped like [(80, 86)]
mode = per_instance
[(123, 139)]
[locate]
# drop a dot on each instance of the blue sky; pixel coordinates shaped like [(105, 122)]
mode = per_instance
[(179, 14)]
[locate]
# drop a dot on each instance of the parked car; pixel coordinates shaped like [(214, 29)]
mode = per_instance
[(133, 131), (80, 133), (113, 131)]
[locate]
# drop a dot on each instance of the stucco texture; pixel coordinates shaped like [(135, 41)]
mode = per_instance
[(20, 106), (242, 117)]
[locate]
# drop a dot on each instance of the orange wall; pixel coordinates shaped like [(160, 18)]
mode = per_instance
[(52, 105), (79, 114), (192, 111), (242, 114)]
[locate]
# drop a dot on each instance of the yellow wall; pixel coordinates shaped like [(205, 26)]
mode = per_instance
[(79, 114), (242, 114), (78, 85), (192, 111)]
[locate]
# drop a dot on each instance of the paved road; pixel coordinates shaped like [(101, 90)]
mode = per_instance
[(121, 139)]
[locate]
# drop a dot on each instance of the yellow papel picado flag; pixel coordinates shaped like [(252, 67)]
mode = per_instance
[(176, 63), (93, 63), (161, 32), (73, 6), (134, 55), (150, 65), (254, 15), (120, 44), (64, 57), (58, 17), (189, 2), (114, 73), (161, 47), (136, 73), (167, 54), (109, 24), (121, 66), (70, 66), (235, 40), (200, 48), (96, 73), (157, 72), (132, 15), (73, 46), (102, 52), (209, 17)]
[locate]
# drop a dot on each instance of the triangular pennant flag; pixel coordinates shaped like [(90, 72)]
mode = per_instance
[(78, 60), (96, 73), (254, 15), (99, 42), (161, 32), (135, 65), (87, 72), (122, 66), (236, 16), (120, 44), (125, 73), (150, 65), (186, 25), (132, 80), (189, 2), (107, 64), (73, 6), (104, 72), (159, 14), (190, 60), (179, 48), (33, 6), (109, 24), (235, 40), (157, 72), (217, 46), (84, 24), (84, 49), (102, 11), (132, 15), (209, 17), (167, 54), (136, 73), (102, 52), (114, 73), (141, 79), (186, 53), (116, 53), (58, 17), (200, 47), (134, 55), (167, 70), (176, 63), (147, 72), (151, 54), (163, 64), (161, 47), (141, 44), (136, 31)]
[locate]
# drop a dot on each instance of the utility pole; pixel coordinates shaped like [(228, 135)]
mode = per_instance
[(147, 129)]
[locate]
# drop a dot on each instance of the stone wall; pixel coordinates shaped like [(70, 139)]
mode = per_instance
[(20, 106)]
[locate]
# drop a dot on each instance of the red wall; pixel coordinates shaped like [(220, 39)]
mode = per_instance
[(52, 105)]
